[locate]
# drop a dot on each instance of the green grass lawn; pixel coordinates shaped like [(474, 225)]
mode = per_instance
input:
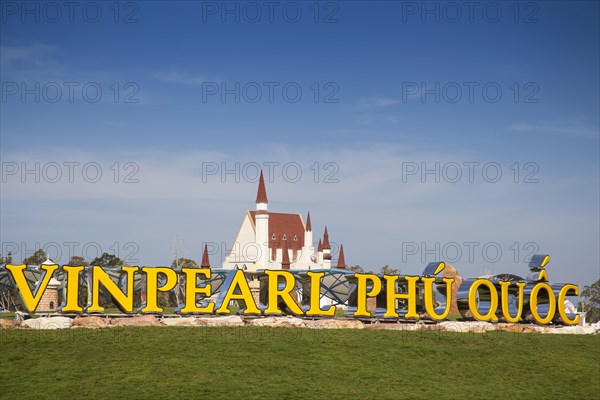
[(280, 363)]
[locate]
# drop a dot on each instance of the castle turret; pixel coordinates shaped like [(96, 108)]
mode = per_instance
[(326, 250), (308, 250), (262, 223), (320, 253), (49, 301)]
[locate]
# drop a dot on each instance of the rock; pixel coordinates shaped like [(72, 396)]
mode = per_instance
[(286, 322), (290, 321), (334, 324), (183, 321), (264, 321), (389, 326), (466, 326), (138, 320), (229, 320), (6, 323), (546, 329), (47, 323), (91, 322), (451, 272), (571, 330), (517, 328)]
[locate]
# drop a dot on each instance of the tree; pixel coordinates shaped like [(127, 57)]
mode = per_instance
[(76, 261), (8, 298), (177, 251), (386, 270), (8, 258), (357, 269), (590, 301), (1, 259), (107, 261), (36, 258), (184, 263)]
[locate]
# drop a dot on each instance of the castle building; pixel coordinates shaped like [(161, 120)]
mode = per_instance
[(273, 240)]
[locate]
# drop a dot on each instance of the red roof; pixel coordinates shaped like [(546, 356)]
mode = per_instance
[(261, 196), (205, 262), (341, 263), (281, 224), (308, 225), (326, 244)]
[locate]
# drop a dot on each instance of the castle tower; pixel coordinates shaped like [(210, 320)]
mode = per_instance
[(262, 224), (326, 250), (341, 262)]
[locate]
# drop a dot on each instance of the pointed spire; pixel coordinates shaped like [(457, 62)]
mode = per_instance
[(326, 244), (308, 225), (205, 261), (261, 196), (320, 247), (285, 257), (341, 263)]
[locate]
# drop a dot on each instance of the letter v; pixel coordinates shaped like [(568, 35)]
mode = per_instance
[(30, 299)]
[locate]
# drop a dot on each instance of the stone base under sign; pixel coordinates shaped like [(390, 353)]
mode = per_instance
[(60, 322)]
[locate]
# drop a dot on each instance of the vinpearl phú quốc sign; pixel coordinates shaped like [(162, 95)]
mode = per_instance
[(310, 293)]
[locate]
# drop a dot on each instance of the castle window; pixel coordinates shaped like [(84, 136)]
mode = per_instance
[(295, 238), (273, 237), (52, 305), (284, 237)]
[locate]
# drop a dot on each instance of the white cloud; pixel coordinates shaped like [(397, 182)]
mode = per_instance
[(564, 129), (375, 102), (35, 54), (180, 77)]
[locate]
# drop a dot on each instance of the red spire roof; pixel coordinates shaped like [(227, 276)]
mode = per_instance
[(326, 244), (341, 263), (285, 257), (205, 262), (308, 225), (320, 247), (261, 196)]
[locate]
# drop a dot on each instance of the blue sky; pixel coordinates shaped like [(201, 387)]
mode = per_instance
[(376, 67)]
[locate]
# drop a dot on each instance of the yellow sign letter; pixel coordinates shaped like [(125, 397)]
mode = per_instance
[(30, 299), (315, 296)]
